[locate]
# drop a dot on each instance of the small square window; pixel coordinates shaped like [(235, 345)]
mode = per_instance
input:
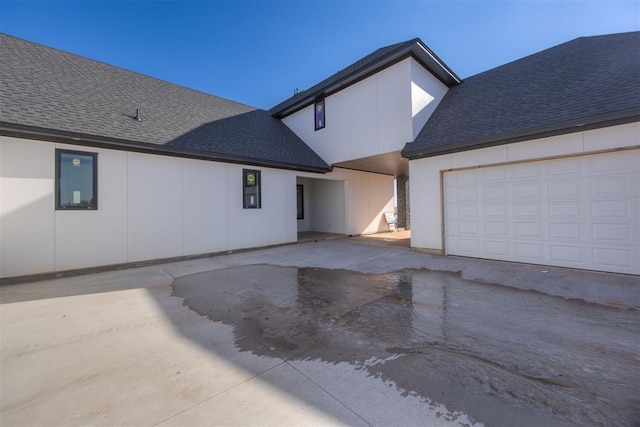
[(319, 114), (76, 180), (251, 189)]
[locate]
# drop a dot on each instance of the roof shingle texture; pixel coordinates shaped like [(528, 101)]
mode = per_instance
[(578, 82), (356, 66), (47, 88)]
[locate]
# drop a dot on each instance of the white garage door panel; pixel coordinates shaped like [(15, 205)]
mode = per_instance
[(581, 212)]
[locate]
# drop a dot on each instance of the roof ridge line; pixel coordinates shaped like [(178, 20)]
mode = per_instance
[(127, 70)]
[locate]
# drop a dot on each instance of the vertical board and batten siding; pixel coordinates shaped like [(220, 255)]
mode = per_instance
[(346, 201), (327, 213), (149, 207), (83, 237), (153, 207), (27, 223), (362, 119), (374, 116), (588, 150)]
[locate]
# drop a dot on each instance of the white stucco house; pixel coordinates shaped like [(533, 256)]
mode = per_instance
[(536, 161)]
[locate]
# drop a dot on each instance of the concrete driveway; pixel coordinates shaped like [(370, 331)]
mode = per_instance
[(340, 332)]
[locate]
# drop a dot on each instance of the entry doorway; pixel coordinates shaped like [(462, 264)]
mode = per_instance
[(320, 205)]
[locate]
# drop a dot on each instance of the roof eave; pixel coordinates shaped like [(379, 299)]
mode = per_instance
[(434, 64), (416, 50), (74, 138), (576, 125)]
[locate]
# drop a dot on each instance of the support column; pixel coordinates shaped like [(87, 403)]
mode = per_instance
[(402, 190)]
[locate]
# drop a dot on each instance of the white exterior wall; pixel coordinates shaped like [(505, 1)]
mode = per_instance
[(360, 198), (205, 212), (326, 210), (426, 94), (377, 115), (84, 237), (149, 207), (278, 217), (154, 206), (27, 223), (425, 174)]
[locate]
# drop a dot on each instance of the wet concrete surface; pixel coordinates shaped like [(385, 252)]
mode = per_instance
[(339, 332), (500, 355)]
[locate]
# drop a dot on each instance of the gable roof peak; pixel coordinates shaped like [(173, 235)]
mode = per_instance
[(582, 84), (366, 67)]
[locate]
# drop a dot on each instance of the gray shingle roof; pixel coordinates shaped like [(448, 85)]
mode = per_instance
[(585, 83), (44, 91), (364, 67)]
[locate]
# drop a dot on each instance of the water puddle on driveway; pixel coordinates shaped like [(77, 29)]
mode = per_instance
[(503, 356)]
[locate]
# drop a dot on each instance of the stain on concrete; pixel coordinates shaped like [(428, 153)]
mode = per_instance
[(501, 355)]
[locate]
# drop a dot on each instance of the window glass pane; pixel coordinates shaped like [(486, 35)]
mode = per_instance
[(300, 200), (319, 114), (251, 189), (76, 186)]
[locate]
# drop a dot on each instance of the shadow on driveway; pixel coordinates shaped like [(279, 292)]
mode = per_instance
[(334, 332)]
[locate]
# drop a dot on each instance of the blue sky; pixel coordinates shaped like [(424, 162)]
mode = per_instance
[(258, 52)]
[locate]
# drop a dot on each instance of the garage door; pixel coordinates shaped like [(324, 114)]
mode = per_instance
[(580, 212)]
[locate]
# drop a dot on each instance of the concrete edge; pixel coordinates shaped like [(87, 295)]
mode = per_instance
[(427, 251), (125, 266)]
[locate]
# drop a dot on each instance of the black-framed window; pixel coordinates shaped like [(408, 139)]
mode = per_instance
[(319, 114), (300, 200), (76, 180), (251, 189)]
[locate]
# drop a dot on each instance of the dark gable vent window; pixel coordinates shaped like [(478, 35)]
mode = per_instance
[(251, 189), (319, 114), (76, 180)]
